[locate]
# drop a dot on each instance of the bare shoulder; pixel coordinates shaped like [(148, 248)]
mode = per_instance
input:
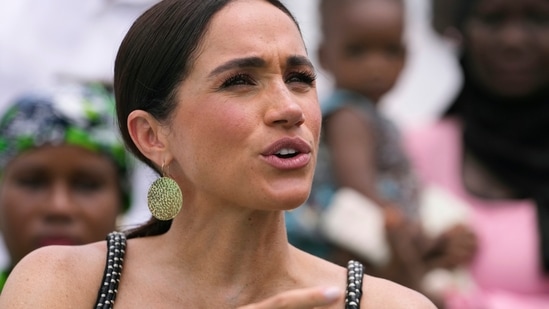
[(320, 271), (381, 293), (376, 292), (56, 277)]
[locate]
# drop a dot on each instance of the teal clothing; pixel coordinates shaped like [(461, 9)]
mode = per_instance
[(302, 231), (395, 181)]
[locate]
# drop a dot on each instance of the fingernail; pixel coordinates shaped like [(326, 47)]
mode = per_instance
[(332, 293)]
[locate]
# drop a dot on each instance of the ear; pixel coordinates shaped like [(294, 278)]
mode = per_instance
[(149, 136)]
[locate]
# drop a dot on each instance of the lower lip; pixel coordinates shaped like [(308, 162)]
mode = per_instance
[(60, 241), (299, 161)]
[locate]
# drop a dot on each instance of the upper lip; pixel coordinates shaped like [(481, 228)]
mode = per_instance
[(295, 143)]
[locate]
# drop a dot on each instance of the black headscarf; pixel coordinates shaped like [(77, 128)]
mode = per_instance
[(511, 139)]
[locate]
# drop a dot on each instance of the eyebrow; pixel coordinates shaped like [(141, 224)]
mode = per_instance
[(257, 62), (297, 61)]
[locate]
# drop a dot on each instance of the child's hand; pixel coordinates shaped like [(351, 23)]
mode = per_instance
[(453, 248), (406, 266)]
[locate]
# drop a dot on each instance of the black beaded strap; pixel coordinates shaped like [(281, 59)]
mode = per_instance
[(355, 273), (116, 244)]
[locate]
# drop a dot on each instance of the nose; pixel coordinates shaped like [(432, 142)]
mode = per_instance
[(515, 34), (284, 108), (373, 61), (59, 207)]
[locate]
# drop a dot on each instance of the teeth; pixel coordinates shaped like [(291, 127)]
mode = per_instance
[(286, 151)]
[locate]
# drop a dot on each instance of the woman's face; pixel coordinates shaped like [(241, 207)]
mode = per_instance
[(55, 195), (507, 42), (247, 125)]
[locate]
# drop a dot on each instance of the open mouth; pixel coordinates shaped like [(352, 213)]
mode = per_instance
[(286, 153)]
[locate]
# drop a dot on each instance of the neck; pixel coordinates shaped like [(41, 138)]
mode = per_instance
[(228, 247)]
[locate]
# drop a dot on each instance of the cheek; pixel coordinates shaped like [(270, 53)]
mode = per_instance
[(236, 120), (392, 69), (543, 42), (214, 133), (15, 203), (346, 76), (101, 210), (315, 119), (107, 196), (477, 41), (14, 218), (229, 122)]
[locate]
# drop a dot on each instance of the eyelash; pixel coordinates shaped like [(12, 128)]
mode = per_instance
[(304, 77), (236, 80)]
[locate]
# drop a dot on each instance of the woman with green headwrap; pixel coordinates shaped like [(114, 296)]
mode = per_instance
[(63, 170)]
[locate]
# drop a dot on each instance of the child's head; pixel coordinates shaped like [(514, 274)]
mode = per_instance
[(363, 47)]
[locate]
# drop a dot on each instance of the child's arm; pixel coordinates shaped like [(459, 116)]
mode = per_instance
[(351, 139)]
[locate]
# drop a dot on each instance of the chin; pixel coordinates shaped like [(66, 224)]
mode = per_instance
[(294, 201), (288, 193), (287, 200)]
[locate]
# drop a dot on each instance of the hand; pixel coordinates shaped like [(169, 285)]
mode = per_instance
[(405, 241), (456, 246), (307, 298)]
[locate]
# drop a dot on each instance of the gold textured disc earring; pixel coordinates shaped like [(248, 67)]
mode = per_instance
[(164, 198)]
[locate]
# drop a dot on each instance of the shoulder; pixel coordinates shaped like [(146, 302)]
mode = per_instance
[(381, 293), (54, 275), (376, 292), (348, 122)]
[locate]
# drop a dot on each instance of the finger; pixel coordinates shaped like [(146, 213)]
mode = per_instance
[(307, 298)]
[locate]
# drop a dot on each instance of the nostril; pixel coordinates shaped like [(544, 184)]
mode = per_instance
[(287, 114)]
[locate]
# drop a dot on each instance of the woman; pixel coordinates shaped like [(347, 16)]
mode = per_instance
[(491, 149), (219, 97), (64, 171)]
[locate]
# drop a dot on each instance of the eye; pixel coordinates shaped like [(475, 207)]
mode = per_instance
[(355, 50), (302, 77), (33, 183), (537, 19), (492, 19), (237, 80), (88, 185), (394, 50), (88, 182)]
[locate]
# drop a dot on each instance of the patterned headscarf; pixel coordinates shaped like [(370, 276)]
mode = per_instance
[(75, 114)]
